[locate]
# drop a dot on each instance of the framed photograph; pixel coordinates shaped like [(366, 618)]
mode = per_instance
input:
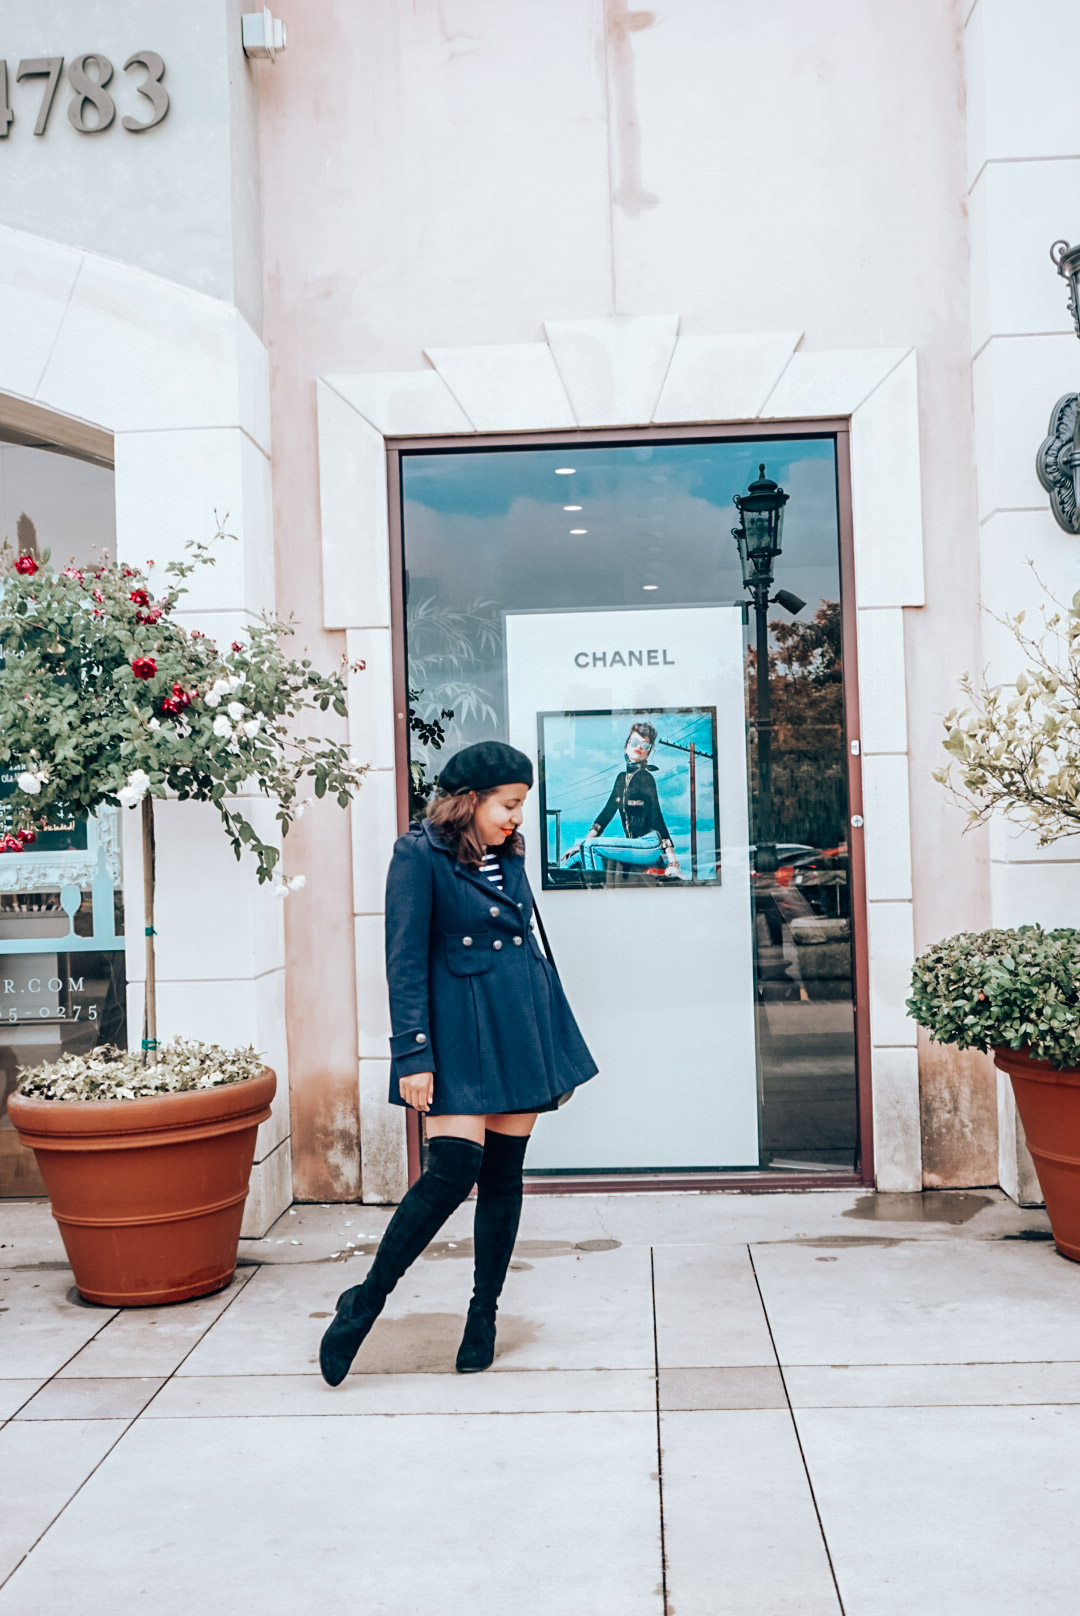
[(628, 797)]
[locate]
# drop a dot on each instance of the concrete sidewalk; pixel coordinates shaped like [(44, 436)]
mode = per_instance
[(781, 1405)]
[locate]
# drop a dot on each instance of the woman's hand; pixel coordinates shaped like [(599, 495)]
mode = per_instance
[(417, 1090)]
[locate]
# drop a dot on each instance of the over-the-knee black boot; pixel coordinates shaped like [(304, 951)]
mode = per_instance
[(498, 1212), (450, 1174)]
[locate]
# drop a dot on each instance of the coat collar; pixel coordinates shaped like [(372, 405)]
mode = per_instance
[(513, 867)]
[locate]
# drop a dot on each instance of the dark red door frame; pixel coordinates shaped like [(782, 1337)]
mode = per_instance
[(837, 428)]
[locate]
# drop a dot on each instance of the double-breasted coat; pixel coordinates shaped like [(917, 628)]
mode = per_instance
[(473, 999)]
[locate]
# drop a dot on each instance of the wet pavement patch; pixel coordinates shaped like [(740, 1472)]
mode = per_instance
[(925, 1206)]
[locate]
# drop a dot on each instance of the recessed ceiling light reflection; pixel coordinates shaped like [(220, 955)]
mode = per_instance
[(571, 507), (565, 471), (650, 586), (577, 530)]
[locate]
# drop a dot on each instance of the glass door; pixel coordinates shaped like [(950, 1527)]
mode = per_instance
[(687, 838)]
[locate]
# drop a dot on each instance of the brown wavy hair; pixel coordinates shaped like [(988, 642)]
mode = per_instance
[(455, 820)]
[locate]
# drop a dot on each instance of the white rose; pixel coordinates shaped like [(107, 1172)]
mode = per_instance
[(129, 797), (295, 882), (30, 783), (301, 808), (252, 727), (235, 711), (222, 726), (213, 697), (154, 723)]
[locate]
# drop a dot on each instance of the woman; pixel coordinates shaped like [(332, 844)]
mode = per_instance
[(634, 797), (483, 1038)]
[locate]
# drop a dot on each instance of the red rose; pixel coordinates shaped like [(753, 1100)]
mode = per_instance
[(143, 667), (140, 597), (149, 616), (197, 634), (168, 705), (181, 696), (26, 836), (237, 646), (98, 596), (72, 572), (26, 565)]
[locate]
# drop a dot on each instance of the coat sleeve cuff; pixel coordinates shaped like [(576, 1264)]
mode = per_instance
[(411, 1052)]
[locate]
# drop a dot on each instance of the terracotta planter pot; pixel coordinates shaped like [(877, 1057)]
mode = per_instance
[(149, 1194), (1049, 1105)]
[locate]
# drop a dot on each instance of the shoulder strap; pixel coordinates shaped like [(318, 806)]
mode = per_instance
[(544, 937)]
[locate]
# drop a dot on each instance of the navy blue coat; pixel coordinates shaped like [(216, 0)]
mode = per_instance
[(472, 996)]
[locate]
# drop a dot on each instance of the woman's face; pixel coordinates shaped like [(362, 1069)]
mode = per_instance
[(637, 747), (499, 814)]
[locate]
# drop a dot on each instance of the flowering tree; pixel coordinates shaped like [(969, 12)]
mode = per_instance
[(1016, 748), (105, 698)]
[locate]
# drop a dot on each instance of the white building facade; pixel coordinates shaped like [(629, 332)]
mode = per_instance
[(423, 241)]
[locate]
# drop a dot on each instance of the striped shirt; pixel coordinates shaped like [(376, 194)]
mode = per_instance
[(492, 868)]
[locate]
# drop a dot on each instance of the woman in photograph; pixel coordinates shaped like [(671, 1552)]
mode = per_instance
[(482, 1041), (646, 839)]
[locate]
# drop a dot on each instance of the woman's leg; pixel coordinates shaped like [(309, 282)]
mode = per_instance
[(453, 1165), (636, 851), (460, 1127), (495, 1226)]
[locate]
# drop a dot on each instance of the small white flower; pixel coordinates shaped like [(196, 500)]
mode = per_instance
[(138, 783), (235, 711), (30, 783), (154, 723), (355, 763), (280, 890), (301, 808), (295, 882), (213, 697), (252, 727), (222, 726)]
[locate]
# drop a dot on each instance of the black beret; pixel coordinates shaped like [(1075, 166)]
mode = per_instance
[(480, 767)]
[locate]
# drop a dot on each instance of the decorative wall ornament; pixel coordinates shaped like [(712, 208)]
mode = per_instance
[(1058, 460)]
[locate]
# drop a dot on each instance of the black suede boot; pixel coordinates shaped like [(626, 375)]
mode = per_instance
[(498, 1213), (451, 1173)]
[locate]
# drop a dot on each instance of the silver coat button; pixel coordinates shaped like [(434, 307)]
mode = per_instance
[(421, 1038), (517, 942), (496, 943), (466, 942), (493, 911)]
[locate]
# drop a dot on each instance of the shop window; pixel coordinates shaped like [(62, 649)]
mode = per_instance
[(63, 986)]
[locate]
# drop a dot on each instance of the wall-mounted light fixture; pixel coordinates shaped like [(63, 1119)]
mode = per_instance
[(1058, 459), (263, 35)]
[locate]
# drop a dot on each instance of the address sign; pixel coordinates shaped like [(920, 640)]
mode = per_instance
[(91, 108)]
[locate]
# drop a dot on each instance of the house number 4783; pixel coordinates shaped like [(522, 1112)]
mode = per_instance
[(91, 108)]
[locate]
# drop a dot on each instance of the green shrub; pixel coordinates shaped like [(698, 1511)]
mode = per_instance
[(1017, 989), (109, 1073)]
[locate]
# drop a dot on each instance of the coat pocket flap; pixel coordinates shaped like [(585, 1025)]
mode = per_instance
[(468, 953)]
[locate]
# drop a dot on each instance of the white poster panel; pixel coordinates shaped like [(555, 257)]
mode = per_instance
[(653, 943)]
